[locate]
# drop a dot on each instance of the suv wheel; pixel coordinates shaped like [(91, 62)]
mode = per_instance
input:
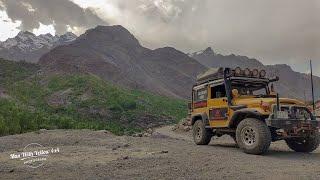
[(253, 136), (201, 135), (308, 144)]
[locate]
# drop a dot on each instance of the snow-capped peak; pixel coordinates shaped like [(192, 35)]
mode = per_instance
[(206, 52), (68, 37), (28, 42)]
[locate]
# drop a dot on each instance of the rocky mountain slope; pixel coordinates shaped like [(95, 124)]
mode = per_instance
[(114, 54), (292, 84), (30, 101), (29, 47)]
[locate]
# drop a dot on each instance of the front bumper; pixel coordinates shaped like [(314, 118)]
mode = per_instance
[(289, 124), (300, 117)]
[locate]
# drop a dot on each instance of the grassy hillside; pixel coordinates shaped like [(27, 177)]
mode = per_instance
[(77, 102), (11, 71)]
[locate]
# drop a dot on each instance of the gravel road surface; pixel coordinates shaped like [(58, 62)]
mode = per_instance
[(85, 154)]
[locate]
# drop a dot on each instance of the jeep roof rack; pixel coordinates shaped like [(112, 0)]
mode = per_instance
[(218, 73)]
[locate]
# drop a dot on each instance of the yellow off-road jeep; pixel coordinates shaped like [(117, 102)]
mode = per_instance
[(243, 104)]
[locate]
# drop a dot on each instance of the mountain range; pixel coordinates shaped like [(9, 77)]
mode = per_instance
[(115, 55), (26, 46)]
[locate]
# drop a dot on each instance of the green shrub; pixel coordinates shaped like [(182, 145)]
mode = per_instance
[(3, 127)]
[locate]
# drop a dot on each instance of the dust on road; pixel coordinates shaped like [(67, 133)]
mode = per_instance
[(86, 154)]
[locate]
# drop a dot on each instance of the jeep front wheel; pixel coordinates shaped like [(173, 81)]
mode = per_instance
[(308, 144), (201, 135), (253, 136)]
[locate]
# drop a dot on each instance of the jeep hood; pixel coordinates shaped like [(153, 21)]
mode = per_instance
[(250, 101)]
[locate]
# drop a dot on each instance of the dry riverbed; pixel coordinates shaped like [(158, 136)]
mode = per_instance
[(85, 154)]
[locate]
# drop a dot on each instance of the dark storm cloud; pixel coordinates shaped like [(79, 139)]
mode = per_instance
[(61, 13), (273, 31)]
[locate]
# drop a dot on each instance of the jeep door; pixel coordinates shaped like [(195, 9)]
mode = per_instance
[(218, 109), (200, 97)]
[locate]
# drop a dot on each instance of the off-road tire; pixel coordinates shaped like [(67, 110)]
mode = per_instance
[(306, 145), (260, 133), (201, 135)]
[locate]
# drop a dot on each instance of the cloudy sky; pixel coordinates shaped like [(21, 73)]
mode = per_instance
[(273, 31)]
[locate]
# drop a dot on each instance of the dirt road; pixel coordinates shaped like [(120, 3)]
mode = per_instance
[(85, 154)]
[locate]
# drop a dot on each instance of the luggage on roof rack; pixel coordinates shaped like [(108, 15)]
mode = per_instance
[(210, 75)]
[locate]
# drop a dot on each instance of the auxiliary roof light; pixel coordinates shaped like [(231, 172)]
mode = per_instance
[(255, 72), (247, 72), (237, 71), (263, 73)]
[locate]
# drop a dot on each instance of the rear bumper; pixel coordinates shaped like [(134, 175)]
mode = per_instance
[(293, 124)]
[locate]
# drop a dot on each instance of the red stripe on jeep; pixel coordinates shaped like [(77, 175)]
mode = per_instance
[(200, 104)]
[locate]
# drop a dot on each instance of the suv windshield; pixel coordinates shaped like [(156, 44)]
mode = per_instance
[(251, 88)]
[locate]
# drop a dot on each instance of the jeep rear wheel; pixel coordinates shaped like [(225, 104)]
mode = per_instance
[(201, 135), (308, 144), (253, 136)]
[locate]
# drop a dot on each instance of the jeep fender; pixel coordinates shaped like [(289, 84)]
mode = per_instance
[(201, 116), (243, 114)]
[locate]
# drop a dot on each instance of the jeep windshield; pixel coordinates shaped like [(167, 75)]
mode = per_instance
[(252, 87)]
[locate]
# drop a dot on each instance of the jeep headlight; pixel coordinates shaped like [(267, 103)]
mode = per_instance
[(255, 73), (237, 71), (247, 72), (263, 73), (265, 106)]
